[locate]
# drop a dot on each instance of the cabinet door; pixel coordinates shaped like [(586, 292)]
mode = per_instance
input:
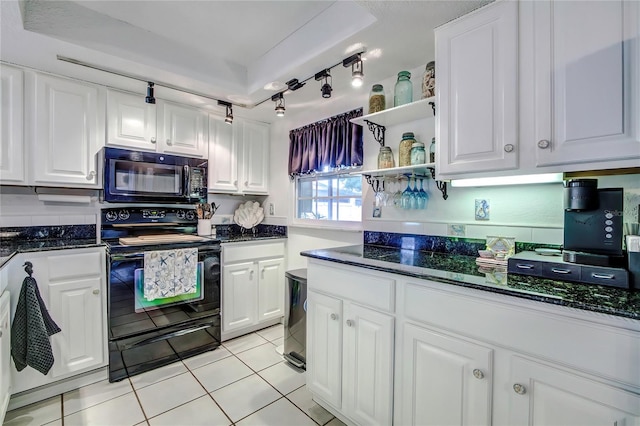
[(255, 148), (324, 347), (223, 156), (131, 122), (587, 81), (368, 365), (445, 380), (184, 130), (543, 395), (11, 124), (271, 289), (239, 295), (477, 92), (68, 119), (75, 304), (5, 353)]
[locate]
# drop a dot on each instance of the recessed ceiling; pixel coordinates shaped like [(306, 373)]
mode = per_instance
[(233, 49)]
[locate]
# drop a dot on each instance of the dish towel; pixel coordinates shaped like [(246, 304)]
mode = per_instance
[(31, 328), (169, 273)]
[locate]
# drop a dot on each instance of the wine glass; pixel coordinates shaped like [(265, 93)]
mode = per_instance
[(405, 202), (423, 195)]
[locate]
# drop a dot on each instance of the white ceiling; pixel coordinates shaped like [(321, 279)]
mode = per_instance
[(231, 49)]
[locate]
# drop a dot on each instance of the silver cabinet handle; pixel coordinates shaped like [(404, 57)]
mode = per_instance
[(168, 141), (560, 271), (153, 139), (603, 276), (524, 266), (235, 182), (334, 317), (91, 175), (246, 183), (350, 323), (509, 147), (251, 275), (96, 291), (519, 389), (478, 374), (544, 144)]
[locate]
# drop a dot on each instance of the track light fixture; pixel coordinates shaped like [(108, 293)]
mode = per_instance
[(326, 88), (294, 84), (278, 98), (229, 111), (357, 69), (150, 99)]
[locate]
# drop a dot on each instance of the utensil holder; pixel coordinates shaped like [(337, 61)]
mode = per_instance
[(204, 227)]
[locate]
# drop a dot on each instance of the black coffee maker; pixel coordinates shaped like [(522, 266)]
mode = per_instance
[(593, 225)]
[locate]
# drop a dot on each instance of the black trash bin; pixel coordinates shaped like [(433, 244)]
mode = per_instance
[(295, 319)]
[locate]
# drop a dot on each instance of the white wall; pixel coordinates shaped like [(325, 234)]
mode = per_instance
[(530, 213)]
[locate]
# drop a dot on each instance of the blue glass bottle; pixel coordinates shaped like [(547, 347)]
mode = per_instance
[(403, 93)]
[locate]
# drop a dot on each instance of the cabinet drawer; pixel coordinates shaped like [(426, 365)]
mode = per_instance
[(238, 252), (377, 291), (524, 267), (612, 278), (66, 266), (561, 271)]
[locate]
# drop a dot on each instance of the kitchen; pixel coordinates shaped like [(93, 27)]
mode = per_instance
[(531, 213)]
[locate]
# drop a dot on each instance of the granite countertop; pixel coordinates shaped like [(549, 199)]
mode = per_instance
[(9, 248), (462, 270), (243, 238)]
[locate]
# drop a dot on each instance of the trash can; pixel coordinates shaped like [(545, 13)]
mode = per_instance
[(295, 318)]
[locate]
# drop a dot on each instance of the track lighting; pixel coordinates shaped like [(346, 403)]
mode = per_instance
[(150, 99), (278, 98), (229, 111), (326, 88), (294, 84), (357, 73)]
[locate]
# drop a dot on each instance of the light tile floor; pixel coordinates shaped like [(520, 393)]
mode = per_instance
[(243, 382)]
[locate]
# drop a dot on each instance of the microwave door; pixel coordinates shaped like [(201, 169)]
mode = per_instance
[(146, 180)]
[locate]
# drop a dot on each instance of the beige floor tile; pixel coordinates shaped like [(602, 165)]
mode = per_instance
[(335, 422), (154, 376), (200, 412), (122, 411), (168, 394), (272, 333), (244, 397), (301, 397), (54, 423), (284, 377), (221, 373), (278, 342), (260, 357), (39, 413), (243, 343), (280, 413), (93, 394), (206, 358)]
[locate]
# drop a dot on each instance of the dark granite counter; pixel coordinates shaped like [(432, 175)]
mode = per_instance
[(234, 234), (461, 270), (42, 238), (244, 238)]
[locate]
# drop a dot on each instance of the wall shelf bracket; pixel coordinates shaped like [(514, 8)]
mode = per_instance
[(377, 130), (433, 107), (441, 185)]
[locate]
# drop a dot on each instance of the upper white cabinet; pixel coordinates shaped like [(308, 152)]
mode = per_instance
[(543, 86), (586, 80), (477, 96), (12, 169), (66, 131), (163, 127), (238, 156)]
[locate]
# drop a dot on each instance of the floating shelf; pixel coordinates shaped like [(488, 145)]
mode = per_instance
[(401, 114), (421, 170)]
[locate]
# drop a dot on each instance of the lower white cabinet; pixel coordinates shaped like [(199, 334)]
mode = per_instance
[(252, 286), (350, 346), (446, 380), (5, 353), (72, 284)]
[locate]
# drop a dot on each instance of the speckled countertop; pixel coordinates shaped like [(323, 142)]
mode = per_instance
[(9, 248), (462, 270)]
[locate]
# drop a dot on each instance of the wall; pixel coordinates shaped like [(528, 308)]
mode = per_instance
[(530, 213)]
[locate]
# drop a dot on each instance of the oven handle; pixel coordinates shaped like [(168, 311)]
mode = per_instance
[(173, 334), (187, 181), (140, 254)]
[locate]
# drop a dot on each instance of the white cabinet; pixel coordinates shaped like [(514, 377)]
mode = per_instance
[(239, 156), (12, 167), (131, 122), (477, 91), (252, 286), (5, 353), (445, 380), (164, 127), (72, 285), (543, 395), (586, 81), (349, 344)]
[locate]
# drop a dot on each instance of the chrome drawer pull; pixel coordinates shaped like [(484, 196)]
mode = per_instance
[(603, 276), (523, 266), (560, 271)]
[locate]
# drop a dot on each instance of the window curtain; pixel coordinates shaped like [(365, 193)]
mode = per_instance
[(331, 144)]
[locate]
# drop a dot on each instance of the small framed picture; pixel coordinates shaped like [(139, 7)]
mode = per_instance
[(482, 211), (377, 212)]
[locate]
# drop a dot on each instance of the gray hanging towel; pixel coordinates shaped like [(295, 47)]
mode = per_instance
[(31, 329)]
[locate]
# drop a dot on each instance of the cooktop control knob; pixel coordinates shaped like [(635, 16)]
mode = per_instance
[(191, 215), (180, 214), (123, 214), (111, 215)]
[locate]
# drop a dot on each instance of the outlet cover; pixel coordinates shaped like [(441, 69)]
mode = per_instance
[(482, 211), (272, 209)]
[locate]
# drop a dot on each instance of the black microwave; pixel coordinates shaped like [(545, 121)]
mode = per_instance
[(149, 177)]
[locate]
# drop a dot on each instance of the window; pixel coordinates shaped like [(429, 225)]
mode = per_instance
[(329, 197)]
